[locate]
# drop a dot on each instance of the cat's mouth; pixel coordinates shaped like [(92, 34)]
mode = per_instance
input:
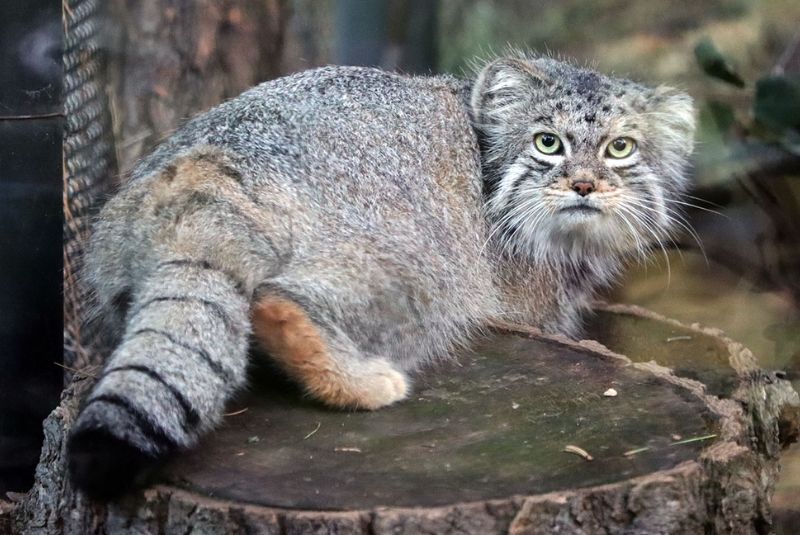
[(580, 209)]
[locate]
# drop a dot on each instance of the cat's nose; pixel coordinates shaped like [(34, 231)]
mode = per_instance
[(583, 187)]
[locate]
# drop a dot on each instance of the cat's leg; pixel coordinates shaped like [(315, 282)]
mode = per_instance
[(322, 359)]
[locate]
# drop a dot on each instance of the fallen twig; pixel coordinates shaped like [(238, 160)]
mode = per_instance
[(76, 371), (676, 338), (319, 424), (578, 451), (693, 439), (630, 453), (348, 449)]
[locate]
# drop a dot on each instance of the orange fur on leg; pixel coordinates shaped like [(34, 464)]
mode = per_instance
[(285, 331)]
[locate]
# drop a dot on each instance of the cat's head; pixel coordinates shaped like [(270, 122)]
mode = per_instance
[(577, 163)]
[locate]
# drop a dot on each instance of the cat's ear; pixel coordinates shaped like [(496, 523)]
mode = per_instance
[(502, 83), (674, 114)]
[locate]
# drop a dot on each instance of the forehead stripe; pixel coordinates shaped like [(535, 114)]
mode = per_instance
[(587, 82)]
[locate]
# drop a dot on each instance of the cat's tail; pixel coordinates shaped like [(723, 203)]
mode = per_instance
[(183, 353)]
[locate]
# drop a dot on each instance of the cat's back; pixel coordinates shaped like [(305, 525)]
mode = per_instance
[(359, 155), (338, 121)]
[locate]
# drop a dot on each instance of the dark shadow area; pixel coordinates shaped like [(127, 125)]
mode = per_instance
[(31, 327)]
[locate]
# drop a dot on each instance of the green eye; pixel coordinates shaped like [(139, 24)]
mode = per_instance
[(622, 147), (547, 143)]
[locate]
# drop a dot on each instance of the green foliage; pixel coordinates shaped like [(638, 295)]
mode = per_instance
[(715, 64), (775, 106), (720, 115), (777, 102)]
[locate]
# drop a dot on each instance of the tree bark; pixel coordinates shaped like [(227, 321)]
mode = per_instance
[(498, 444), (171, 59)]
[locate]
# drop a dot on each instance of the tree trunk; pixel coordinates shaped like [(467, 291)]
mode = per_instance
[(171, 59), (524, 434)]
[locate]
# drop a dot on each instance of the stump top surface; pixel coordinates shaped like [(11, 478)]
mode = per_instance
[(492, 425), (689, 353)]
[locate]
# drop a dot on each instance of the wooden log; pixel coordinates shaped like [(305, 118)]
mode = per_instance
[(524, 433)]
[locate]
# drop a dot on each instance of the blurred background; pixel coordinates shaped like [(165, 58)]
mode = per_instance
[(160, 61)]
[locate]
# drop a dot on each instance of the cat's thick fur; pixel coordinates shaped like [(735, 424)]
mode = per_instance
[(360, 223)]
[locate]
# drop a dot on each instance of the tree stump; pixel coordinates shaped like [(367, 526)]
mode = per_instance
[(523, 433)]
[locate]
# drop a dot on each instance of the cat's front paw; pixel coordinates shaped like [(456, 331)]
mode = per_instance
[(373, 384), (381, 385), (108, 456)]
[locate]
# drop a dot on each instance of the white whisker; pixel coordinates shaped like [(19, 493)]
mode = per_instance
[(691, 205)]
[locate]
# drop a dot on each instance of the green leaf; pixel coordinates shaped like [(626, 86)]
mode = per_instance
[(791, 142), (722, 115), (715, 64), (777, 102)]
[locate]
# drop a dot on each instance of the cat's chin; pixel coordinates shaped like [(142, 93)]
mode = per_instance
[(573, 238)]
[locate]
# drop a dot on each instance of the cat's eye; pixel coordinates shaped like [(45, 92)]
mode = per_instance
[(548, 143), (622, 147)]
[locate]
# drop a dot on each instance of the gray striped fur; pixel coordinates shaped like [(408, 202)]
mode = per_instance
[(379, 203)]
